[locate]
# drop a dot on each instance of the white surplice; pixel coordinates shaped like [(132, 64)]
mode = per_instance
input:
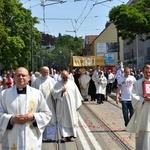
[(101, 87), (23, 137), (67, 104), (140, 122), (45, 85), (84, 81)]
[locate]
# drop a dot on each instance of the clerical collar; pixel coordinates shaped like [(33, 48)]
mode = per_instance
[(21, 91)]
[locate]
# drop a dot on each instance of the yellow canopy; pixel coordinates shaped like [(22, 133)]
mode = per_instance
[(85, 61)]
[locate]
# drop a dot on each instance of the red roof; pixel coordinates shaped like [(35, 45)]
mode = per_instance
[(91, 38)]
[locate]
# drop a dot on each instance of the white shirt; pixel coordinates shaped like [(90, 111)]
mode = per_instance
[(126, 87), (111, 78)]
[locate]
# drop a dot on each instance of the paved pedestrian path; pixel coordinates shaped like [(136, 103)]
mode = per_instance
[(112, 117)]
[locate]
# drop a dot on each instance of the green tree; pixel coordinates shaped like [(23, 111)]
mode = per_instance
[(71, 43), (60, 57), (48, 39), (17, 26), (132, 20)]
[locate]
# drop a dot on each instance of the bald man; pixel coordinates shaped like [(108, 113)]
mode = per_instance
[(24, 114), (68, 101), (45, 84)]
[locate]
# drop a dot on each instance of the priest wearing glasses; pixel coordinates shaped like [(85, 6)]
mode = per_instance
[(24, 114)]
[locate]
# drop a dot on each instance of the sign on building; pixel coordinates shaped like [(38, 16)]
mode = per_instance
[(103, 48)]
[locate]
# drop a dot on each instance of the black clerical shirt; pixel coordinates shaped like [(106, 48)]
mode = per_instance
[(10, 125), (21, 91)]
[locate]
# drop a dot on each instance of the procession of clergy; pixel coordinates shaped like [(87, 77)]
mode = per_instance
[(64, 93)]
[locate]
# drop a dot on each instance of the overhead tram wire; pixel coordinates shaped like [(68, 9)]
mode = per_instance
[(47, 27), (55, 18), (43, 5), (85, 17), (106, 6), (121, 1), (74, 25), (96, 3), (83, 10), (101, 2), (66, 19), (26, 2)]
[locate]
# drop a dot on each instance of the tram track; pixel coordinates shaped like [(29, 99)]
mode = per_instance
[(113, 97), (112, 134), (100, 127)]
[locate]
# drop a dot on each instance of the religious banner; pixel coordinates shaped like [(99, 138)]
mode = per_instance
[(85, 61)]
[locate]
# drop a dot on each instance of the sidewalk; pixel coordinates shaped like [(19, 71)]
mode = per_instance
[(111, 115)]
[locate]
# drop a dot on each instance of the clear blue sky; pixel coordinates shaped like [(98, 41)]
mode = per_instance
[(82, 16)]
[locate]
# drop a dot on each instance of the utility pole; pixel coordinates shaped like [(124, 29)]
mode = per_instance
[(43, 5), (118, 42), (32, 66), (137, 50), (31, 44)]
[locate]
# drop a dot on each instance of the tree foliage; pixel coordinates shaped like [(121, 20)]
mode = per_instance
[(48, 39), (132, 20), (19, 39), (17, 29), (72, 43), (60, 57)]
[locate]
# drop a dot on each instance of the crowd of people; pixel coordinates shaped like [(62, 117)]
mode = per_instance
[(48, 102), (38, 109)]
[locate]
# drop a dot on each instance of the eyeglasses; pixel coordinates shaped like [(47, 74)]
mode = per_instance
[(21, 75)]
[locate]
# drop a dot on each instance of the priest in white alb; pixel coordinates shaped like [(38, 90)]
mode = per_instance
[(84, 82), (45, 84), (24, 115), (68, 101), (140, 121)]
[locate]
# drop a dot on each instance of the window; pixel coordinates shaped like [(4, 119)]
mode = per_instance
[(148, 51)]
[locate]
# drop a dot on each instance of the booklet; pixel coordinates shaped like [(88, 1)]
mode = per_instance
[(146, 88)]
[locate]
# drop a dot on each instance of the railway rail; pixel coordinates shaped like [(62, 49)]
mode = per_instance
[(108, 130), (101, 127)]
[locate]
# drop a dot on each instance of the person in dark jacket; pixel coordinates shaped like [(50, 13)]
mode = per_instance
[(92, 88)]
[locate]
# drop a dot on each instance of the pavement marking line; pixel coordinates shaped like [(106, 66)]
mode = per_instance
[(90, 135), (83, 139)]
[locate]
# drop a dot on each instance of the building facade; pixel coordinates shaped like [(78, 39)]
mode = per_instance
[(107, 44)]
